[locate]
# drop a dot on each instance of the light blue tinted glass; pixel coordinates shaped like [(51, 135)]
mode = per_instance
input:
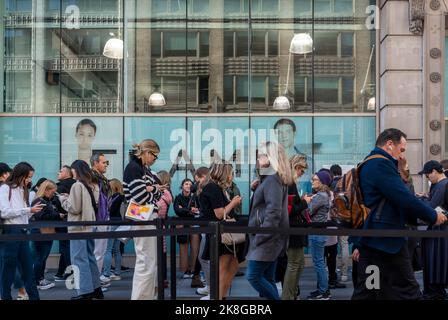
[(169, 133), (344, 141), (33, 140), (294, 133), (227, 137)]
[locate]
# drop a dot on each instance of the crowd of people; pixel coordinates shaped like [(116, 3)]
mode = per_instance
[(83, 193)]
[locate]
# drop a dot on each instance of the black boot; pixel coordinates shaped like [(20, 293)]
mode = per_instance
[(98, 294)]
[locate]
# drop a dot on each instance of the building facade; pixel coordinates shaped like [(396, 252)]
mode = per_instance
[(220, 65)]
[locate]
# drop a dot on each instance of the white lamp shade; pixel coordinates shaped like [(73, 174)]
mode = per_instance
[(301, 43), (281, 103), (113, 49), (157, 100), (371, 105)]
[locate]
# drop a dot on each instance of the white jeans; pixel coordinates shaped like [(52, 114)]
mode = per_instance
[(145, 274), (100, 247), (343, 242)]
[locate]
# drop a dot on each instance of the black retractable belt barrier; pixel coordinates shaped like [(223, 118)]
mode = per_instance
[(161, 262), (173, 266), (215, 239), (212, 229)]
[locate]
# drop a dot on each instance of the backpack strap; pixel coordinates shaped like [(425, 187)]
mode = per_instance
[(358, 190)]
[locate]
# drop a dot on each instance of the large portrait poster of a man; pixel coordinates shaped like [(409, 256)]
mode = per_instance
[(83, 137), (295, 135)]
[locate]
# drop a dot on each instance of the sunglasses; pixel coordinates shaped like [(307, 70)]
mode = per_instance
[(154, 155)]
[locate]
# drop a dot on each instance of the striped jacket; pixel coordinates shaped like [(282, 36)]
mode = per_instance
[(136, 178)]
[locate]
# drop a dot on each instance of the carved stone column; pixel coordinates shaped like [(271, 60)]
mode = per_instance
[(401, 76)]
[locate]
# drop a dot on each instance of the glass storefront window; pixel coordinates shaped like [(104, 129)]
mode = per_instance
[(34, 140), (171, 47)]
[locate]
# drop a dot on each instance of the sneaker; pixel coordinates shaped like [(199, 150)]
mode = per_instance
[(22, 297), (44, 284), (187, 275), (114, 277), (203, 291), (316, 295), (104, 279), (104, 289), (207, 297), (344, 278), (336, 285), (59, 278), (196, 282), (104, 284)]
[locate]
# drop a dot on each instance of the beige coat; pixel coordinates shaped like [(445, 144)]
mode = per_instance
[(79, 206)]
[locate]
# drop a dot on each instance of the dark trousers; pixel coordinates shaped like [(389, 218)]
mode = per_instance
[(64, 259), (397, 280), (42, 251), (331, 253), (280, 269), (14, 253), (354, 270)]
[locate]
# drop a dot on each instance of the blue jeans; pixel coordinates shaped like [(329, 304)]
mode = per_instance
[(42, 251), (81, 252), (317, 246), (113, 247), (14, 254), (261, 275)]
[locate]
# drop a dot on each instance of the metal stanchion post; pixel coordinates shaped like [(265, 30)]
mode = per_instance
[(173, 264), (160, 264), (215, 239)]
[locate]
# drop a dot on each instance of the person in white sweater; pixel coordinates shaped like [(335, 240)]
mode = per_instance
[(81, 205), (15, 210)]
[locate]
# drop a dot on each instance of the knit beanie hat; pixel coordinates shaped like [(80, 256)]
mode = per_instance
[(324, 176)]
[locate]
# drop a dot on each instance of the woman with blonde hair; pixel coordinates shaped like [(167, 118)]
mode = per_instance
[(297, 243), (269, 210), (141, 186), (44, 195), (215, 204)]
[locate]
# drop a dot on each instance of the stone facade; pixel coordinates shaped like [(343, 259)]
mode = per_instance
[(411, 56)]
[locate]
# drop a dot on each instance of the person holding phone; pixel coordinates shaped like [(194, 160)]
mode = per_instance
[(15, 209), (44, 196)]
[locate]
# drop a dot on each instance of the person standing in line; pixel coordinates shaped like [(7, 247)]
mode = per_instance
[(99, 165), (392, 204), (15, 209), (435, 250), (42, 249), (140, 185), (319, 208), (164, 206), (82, 205), (297, 243), (184, 207), (64, 184), (113, 245), (215, 205), (201, 178), (269, 209), (336, 172)]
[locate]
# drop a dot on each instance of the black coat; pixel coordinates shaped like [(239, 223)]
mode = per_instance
[(296, 219)]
